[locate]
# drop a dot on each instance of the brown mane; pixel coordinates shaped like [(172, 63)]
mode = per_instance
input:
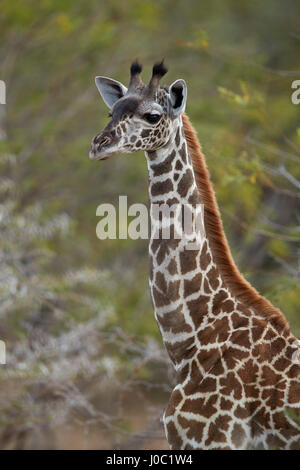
[(230, 274)]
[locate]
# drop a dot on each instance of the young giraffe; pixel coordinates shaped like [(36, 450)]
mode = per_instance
[(237, 362)]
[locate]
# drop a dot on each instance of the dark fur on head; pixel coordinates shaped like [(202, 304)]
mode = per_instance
[(135, 79), (135, 68), (159, 69)]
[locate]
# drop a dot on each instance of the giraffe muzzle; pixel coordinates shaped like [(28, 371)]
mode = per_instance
[(99, 147)]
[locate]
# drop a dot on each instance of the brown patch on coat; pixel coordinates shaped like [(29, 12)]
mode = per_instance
[(178, 165), (187, 261), (248, 372), (231, 386), (216, 332), (198, 308), (177, 137), (170, 294), (174, 322), (238, 321), (195, 379), (205, 257), (162, 187), (208, 359), (145, 132), (241, 412), (241, 337), (213, 278), (163, 247), (273, 398), (183, 152), (165, 166), (294, 393), (181, 349), (282, 364), (215, 435), (226, 405), (185, 183), (174, 439), (221, 303), (233, 356), (262, 352), (206, 287), (201, 406), (192, 286), (173, 404), (195, 428), (257, 329), (172, 267)]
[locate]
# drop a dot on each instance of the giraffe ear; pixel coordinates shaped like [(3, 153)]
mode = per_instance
[(110, 90), (178, 94)]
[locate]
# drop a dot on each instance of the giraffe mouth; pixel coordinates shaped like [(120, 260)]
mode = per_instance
[(100, 154), (95, 157)]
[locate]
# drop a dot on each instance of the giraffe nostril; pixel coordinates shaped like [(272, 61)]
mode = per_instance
[(103, 141)]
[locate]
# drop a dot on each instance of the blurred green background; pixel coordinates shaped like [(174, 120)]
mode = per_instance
[(85, 364)]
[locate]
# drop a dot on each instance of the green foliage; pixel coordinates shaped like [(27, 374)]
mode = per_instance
[(60, 285)]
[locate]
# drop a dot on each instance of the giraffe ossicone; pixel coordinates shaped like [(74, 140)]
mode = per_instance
[(236, 360)]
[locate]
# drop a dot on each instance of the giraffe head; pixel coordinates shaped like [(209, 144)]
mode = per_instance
[(142, 116)]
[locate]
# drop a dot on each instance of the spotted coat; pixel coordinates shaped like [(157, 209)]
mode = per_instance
[(236, 375)]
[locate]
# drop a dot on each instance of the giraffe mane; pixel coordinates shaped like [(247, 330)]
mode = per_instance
[(230, 274)]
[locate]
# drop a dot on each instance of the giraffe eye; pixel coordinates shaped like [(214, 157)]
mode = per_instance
[(152, 118)]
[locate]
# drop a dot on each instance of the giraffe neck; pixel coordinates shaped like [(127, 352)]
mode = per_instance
[(182, 281), (233, 352)]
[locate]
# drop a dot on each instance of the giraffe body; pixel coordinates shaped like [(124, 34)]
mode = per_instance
[(236, 361)]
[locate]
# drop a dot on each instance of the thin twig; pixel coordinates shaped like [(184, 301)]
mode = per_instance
[(283, 171), (269, 148)]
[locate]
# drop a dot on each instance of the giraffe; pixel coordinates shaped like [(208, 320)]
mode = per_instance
[(237, 363)]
